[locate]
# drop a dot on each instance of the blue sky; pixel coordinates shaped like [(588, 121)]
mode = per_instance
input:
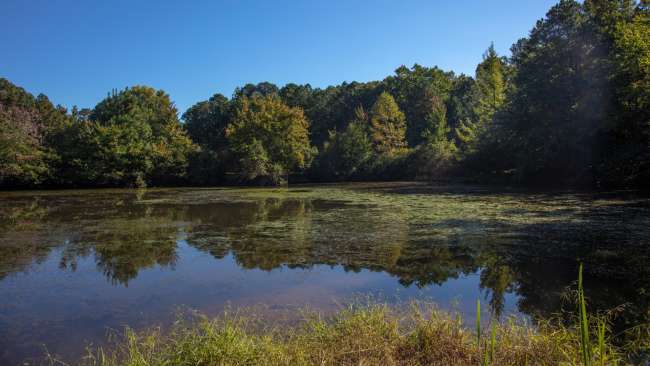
[(77, 51)]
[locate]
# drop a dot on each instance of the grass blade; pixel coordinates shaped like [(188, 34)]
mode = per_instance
[(584, 324)]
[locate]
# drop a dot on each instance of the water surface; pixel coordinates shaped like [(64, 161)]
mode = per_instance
[(75, 265)]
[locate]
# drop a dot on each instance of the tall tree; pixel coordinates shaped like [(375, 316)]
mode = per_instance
[(560, 103), (437, 156), (460, 106), (133, 137), (490, 85), (206, 122), (626, 30), (269, 138), (262, 89), (388, 125), (347, 152), (27, 127), (414, 90), (22, 155), (333, 108), (295, 95), (488, 95)]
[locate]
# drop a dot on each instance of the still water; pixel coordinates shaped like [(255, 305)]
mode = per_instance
[(77, 265)]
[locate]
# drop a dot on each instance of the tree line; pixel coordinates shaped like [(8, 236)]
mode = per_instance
[(570, 106)]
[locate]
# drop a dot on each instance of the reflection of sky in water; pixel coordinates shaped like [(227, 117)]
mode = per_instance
[(63, 309)]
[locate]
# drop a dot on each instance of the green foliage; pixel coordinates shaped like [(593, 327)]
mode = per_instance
[(416, 90), (358, 334), (206, 122), (571, 106), (268, 138), (22, 160), (347, 153), (436, 160), (460, 107), (584, 323), (132, 138), (122, 152), (558, 108), (295, 95), (490, 86), (387, 125), (332, 108), (264, 89), (438, 155), (577, 109), (627, 156), (478, 323), (206, 167), (27, 127), (488, 94)]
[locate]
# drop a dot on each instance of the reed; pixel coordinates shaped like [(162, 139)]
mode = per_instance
[(584, 323), (364, 334), (373, 334)]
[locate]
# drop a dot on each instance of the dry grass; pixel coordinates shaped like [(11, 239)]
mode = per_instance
[(358, 335)]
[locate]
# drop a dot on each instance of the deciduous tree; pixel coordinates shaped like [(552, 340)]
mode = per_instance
[(269, 139)]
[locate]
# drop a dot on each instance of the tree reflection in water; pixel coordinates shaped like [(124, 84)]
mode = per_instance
[(524, 244)]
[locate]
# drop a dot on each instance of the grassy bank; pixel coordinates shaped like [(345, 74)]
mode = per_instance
[(372, 334), (358, 335)]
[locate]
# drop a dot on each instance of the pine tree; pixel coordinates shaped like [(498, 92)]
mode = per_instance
[(437, 120), (489, 94), (490, 85), (388, 125), (626, 28), (438, 154)]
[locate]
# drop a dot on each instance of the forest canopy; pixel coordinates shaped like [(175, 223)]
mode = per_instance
[(570, 106)]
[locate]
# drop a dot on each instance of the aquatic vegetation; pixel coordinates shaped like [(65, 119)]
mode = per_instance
[(522, 249)]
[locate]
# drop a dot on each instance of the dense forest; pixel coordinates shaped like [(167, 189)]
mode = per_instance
[(569, 107)]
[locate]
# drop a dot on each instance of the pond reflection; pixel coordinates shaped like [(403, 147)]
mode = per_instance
[(79, 262)]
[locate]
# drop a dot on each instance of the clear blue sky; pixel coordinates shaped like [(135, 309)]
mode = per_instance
[(77, 51)]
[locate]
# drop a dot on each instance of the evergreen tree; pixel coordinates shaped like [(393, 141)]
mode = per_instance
[(388, 125), (413, 90), (627, 157), (263, 89), (560, 105), (346, 153), (438, 154), (332, 108), (490, 86), (488, 95), (572, 105), (460, 106), (206, 122)]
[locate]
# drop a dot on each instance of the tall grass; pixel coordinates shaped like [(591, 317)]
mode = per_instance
[(585, 327), (370, 335), (365, 334), (584, 324)]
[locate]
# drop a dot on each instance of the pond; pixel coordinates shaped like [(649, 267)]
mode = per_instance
[(77, 265)]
